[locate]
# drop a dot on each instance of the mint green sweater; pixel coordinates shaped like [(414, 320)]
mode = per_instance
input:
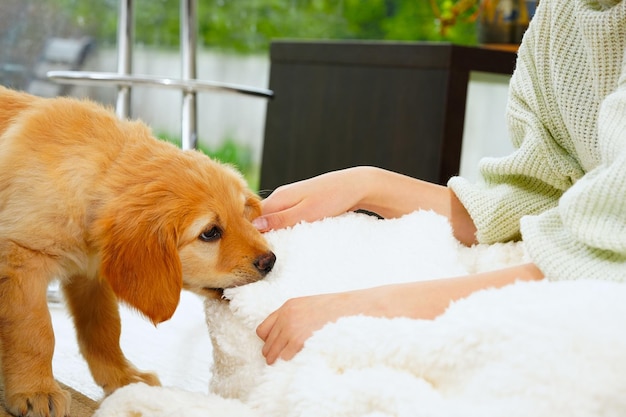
[(563, 190)]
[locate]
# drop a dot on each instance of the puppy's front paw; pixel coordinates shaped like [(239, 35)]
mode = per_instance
[(130, 376), (145, 377), (51, 402)]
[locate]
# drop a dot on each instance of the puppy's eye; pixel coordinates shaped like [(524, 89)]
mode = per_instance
[(211, 235)]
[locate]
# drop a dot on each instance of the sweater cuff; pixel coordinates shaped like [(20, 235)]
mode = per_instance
[(496, 210)]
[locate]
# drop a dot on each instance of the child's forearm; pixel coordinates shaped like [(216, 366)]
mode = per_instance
[(392, 195)]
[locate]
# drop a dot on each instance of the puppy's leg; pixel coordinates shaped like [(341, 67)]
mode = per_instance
[(96, 316), (26, 336)]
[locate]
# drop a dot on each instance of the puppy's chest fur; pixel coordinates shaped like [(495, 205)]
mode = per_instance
[(49, 206), (58, 233)]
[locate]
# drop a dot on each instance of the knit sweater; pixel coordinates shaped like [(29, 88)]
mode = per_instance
[(563, 190)]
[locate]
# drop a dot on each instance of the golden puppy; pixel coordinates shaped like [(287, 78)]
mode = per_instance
[(113, 213)]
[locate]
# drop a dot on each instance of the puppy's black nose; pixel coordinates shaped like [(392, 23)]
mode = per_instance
[(265, 262)]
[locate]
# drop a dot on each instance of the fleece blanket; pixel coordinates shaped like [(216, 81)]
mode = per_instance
[(528, 349)]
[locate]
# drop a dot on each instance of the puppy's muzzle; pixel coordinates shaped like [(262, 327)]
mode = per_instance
[(265, 263)]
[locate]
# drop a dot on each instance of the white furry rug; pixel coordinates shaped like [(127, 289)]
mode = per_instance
[(529, 349)]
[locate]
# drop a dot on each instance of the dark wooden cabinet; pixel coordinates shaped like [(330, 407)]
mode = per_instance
[(399, 106)]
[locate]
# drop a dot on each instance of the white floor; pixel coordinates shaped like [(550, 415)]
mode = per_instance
[(178, 350)]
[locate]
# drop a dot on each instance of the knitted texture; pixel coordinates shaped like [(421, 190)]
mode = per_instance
[(564, 188)]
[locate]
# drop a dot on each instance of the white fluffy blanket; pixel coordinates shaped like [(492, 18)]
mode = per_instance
[(529, 349)]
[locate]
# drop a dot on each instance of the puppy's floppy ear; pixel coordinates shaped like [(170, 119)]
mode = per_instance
[(139, 259), (253, 206)]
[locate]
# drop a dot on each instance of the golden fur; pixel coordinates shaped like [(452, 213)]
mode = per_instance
[(112, 213)]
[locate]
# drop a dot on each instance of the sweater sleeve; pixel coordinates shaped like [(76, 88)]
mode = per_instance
[(585, 235), (532, 179)]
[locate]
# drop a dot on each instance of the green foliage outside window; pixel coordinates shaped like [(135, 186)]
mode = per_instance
[(249, 25)]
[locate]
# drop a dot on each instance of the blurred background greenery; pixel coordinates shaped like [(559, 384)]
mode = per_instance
[(249, 25)]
